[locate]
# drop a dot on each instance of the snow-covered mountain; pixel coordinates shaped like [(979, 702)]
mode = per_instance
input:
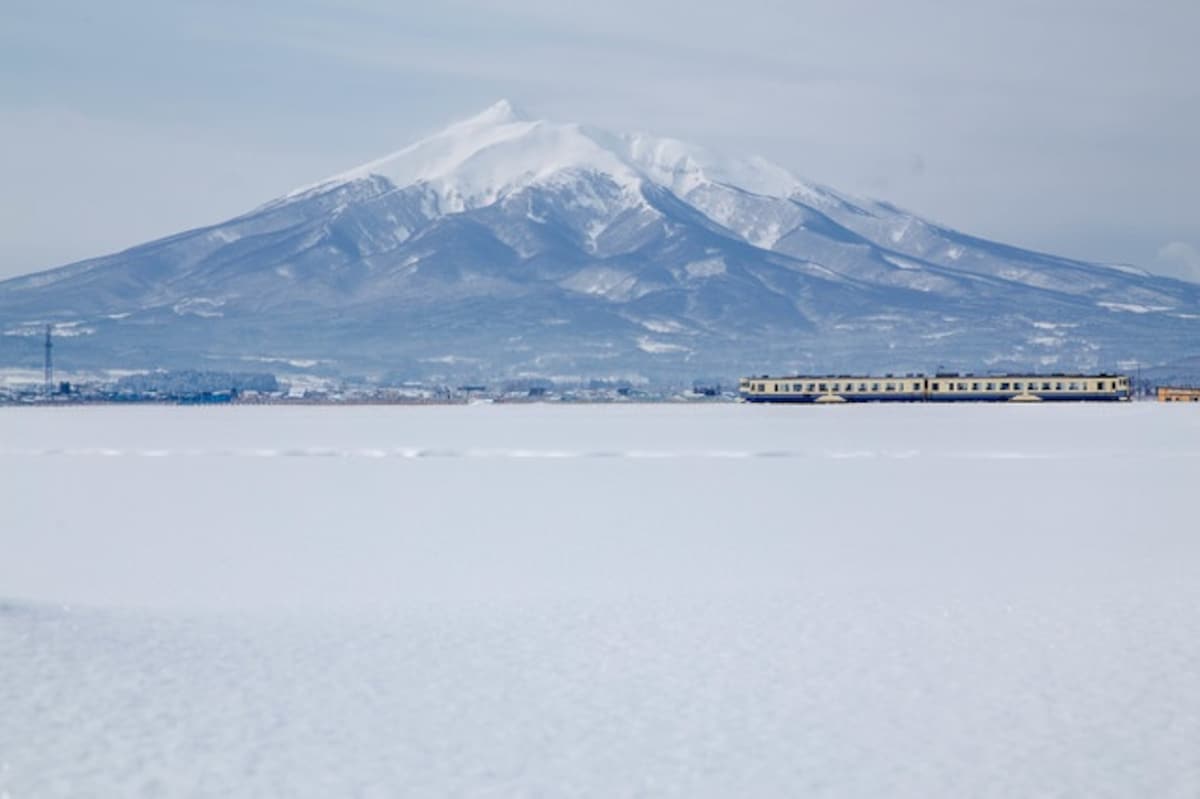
[(508, 246)]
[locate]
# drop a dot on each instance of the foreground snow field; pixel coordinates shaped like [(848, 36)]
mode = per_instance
[(600, 601)]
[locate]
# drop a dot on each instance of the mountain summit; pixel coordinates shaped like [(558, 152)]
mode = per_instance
[(505, 246)]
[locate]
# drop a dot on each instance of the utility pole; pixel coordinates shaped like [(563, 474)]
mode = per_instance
[(49, 363)]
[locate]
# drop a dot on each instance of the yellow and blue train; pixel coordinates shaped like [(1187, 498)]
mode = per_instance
[(938, 388)]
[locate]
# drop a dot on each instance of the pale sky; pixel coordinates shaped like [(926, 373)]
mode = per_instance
[(1065, 126)]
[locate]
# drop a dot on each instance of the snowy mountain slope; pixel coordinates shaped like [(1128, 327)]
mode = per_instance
[(506, 246)]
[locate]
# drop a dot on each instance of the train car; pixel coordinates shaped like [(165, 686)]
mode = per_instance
[(1028, 388), (938, 388), (834, 388)]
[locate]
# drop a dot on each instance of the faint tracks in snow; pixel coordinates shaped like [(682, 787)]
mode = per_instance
[(444, 453)]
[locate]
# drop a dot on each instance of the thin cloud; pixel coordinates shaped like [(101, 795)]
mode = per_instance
[(1180, 259)]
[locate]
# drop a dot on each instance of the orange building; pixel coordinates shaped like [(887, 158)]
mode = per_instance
[(1178, 394)]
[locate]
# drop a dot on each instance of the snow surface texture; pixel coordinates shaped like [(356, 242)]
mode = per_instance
[(606, 601), (510, 247)]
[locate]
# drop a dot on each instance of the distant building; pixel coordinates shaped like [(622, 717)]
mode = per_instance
[(1178, 394)]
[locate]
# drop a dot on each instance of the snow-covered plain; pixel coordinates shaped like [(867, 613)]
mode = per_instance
[(603, 601)]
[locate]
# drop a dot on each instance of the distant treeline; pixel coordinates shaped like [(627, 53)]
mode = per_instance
[(187, 382)]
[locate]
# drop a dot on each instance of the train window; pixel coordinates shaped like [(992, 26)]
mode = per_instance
[(1004, 386), (974, 386), (1045, 386), (862, 386), (824, 387), (874, 386), (1018, 386), (837, 387), (890, 387), (937, 387), (1100, 386), (991, 386), (760, 387), (1058, 386), (916, 386), (812, 387), (1074, 386)]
